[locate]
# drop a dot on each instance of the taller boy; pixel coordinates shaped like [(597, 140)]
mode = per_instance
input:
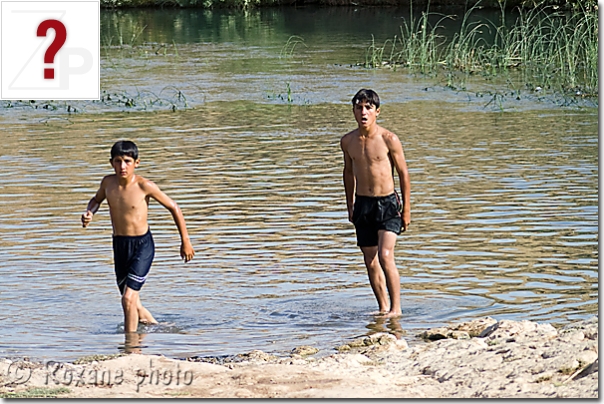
[(371, 154), (128, 196)]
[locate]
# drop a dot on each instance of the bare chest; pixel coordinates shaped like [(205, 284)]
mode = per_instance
[(126, 199), (369, 151)]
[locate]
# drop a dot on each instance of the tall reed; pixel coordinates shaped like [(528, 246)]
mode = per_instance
[(546, 47), (559, 49)]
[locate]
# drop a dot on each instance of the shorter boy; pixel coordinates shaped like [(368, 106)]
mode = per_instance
[(128, 196)]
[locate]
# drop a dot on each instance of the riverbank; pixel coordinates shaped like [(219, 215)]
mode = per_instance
[(484, 358)]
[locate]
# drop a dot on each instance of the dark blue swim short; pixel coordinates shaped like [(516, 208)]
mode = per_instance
[(374, 213), (133, 256)]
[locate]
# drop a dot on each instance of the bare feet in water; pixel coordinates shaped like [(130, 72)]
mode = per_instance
[(145, 321), (387, 314), (144, 316), (393, 314)]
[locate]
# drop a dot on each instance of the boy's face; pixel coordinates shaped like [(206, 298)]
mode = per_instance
[(124, 165), (365, 114)]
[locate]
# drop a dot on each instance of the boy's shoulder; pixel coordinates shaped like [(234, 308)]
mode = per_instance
[(109, 179), (349, 135), (387, 135), (143, 181), (145, 184)]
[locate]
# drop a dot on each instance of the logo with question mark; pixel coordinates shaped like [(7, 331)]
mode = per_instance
[(55, 46), (50, 50)]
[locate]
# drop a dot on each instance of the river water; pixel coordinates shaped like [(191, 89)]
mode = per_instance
[(243, 130)]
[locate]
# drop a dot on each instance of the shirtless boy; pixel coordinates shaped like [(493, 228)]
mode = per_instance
[(128, 196), (371, 154)]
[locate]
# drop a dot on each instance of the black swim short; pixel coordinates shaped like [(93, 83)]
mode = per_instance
[(133, 256), (374, 213)]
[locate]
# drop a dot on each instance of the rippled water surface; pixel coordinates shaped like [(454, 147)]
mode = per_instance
[(504, 204)]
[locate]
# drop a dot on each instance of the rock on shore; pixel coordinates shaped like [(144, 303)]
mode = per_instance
[(484, 358)]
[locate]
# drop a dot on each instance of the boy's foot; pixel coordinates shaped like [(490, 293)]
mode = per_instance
[(144, 316), (379, 313), (146, 321), (393, 314)]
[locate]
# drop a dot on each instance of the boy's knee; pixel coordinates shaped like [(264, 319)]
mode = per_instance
[(385, 255), (369, 260), (129, 299)]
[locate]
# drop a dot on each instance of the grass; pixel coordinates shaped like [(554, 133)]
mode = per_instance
[(568, 4), (98, 358), (36, 392), (287, 51), (545, 49)]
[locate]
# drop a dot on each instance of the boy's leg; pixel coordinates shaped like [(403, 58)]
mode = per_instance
[(130, 302), (376, 277), (144, 315), (387, 241)]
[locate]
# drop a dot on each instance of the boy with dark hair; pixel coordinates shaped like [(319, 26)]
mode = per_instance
[(371, 154), (128, 197)]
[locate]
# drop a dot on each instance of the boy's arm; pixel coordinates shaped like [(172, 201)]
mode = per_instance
[(94, 204), (400, 165), (152, 190), (348, 178)]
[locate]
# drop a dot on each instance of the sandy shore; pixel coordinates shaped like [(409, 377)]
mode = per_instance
[(484, 358)]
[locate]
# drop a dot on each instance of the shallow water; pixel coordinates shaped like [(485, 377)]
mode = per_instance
[(504, 204)]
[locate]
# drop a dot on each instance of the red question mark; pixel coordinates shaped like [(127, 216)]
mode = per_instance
[(57, 43)]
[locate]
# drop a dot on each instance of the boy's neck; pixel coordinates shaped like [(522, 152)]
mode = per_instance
[(126, 180), (368, 132)]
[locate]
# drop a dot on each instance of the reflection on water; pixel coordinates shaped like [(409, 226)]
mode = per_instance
[(504, 211)]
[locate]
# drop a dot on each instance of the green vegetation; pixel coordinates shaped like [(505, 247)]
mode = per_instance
[(542, 379), (566, 4), (170, 97), (36, 392), (98, 358), (544, 50), (189, 3), (290, 46)]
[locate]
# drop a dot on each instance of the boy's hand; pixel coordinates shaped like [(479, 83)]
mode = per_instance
[(406, 219), (186, 251), (86, 218)]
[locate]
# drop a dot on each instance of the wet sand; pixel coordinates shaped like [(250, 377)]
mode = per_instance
[(484, 358)]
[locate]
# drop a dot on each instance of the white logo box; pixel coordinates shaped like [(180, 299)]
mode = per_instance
[(76, 63)]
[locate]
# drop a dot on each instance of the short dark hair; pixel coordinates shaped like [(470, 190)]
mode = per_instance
[(366, 95), (124, 148)]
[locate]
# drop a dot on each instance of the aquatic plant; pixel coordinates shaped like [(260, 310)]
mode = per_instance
[(419, 42), (117, 34), (287, 51), (567, 4), (146, 100), (558, 50), (545, 48), (288, 96)]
